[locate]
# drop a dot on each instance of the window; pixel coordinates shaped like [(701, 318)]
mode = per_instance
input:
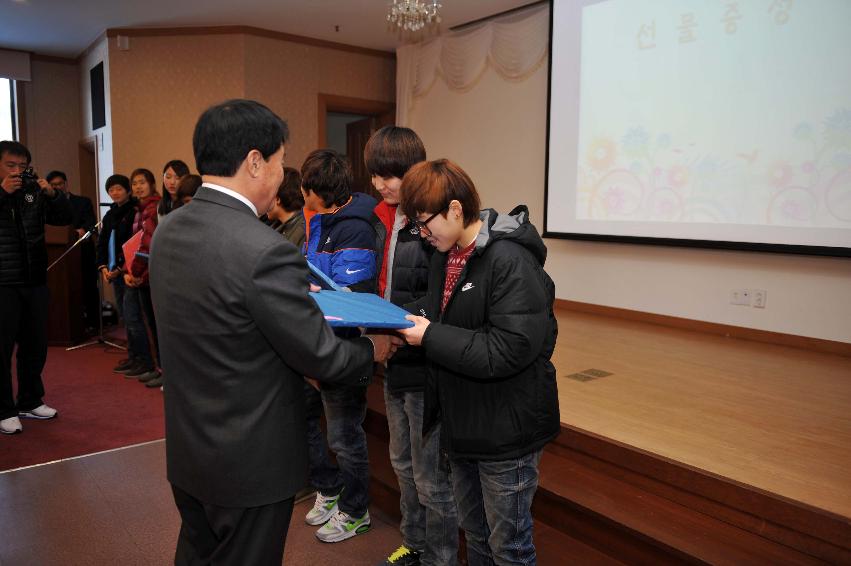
[(8, 126)]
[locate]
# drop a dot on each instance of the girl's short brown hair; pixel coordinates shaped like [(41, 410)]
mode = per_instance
[(429, 187)]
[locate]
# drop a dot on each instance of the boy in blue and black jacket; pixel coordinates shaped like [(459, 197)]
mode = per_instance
[(341, 239)]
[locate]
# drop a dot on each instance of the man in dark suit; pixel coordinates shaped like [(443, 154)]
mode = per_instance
[(83, 221), (238, 331)]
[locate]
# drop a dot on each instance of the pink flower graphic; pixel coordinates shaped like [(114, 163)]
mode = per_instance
[(780, 174), (614, 199)]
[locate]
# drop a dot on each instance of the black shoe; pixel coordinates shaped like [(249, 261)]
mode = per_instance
[(140, 369), (128, 366), (148, 375), (155, 382), (402, 556)]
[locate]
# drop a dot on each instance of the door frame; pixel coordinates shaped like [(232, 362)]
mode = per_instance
[(334, 103)]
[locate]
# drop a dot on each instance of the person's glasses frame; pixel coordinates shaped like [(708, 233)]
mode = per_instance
[(422, 225)]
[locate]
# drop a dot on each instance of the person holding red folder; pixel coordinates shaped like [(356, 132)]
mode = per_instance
[(138, 312)]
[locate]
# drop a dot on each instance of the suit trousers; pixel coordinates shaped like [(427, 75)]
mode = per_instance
[(23, 320), (215, 535)]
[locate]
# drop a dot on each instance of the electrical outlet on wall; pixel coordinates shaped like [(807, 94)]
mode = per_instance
[(740, 297), (759, 297)]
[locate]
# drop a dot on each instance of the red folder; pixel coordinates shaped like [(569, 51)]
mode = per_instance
[(130, 247)]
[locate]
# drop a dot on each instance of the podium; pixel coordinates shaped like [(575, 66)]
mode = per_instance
[(65, 318)]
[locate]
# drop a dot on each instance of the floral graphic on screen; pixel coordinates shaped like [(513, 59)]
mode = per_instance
[(643, 175), (817, 190)]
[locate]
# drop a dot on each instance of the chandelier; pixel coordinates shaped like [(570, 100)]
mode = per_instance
[(413, 15)]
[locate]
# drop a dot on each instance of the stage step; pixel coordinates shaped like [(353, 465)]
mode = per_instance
[(603, 503)]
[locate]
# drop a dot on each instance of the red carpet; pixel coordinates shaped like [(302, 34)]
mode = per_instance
[(98, 410)]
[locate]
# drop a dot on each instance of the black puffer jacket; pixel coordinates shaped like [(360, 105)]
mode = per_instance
[(408, 260), (492, 385), (118, 219), (23, 214)]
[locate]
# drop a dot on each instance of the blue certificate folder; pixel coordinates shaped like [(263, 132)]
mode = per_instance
[(343, 308)]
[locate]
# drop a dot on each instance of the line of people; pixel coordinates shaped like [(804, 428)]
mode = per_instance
[(222, 305), (137, 206), (471, 399)]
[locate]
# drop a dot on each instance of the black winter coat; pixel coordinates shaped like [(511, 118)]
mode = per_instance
[(23, 214), (118, 219), (492, 385), (409, 257)]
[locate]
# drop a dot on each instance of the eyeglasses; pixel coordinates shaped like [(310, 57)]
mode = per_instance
[(422, 225)]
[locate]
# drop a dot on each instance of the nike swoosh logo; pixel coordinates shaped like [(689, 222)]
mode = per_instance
[(350, 272)]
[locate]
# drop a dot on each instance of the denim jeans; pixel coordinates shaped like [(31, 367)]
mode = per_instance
[(494, 508), (429, 519), (118, 287), (137, 336), (345, 410)]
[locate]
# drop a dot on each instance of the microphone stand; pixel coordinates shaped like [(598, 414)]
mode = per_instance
[(99, 339)]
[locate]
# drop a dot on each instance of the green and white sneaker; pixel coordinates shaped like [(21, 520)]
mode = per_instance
[(342, 526), (323, 509)]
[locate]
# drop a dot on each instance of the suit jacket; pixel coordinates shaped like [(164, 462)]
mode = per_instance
[(237, 332), (83, 211)]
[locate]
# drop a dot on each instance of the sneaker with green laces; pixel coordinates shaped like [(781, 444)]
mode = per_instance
[(342, 526), (402, 556), (323, 509)]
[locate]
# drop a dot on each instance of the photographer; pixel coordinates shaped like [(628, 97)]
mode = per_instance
[(26, 204)]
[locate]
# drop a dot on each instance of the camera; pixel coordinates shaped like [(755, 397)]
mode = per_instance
[(29, 179)]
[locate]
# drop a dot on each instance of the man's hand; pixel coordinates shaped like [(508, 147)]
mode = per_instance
[(11, 183), (414, 334), (384, 346), (45, 186), (81, 232)]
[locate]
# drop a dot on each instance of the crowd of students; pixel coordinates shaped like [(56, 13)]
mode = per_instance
[(472, 399), (138, 207)]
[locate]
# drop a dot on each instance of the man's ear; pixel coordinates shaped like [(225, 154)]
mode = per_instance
[(456, 208), (254, 161)]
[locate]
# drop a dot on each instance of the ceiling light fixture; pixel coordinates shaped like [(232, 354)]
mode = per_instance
[(413, 15)]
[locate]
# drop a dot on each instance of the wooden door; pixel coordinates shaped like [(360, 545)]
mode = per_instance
[(357, 134)]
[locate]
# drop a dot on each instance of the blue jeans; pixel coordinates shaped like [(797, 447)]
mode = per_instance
[(138, 347), (345, 410), (429, 519), (495, 508), (118, 287)]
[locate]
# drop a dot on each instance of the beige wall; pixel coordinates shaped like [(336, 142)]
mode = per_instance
[(497, 132), (288, 77), (159, 88), (162, 84), (53, 119)]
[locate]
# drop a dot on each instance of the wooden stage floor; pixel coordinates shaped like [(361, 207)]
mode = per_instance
[(773, 417)]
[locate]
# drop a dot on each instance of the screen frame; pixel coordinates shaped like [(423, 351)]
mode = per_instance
[(644, 240)]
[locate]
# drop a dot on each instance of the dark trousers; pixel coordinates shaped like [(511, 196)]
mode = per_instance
[(89, 273), (225, 536), (23, 320)]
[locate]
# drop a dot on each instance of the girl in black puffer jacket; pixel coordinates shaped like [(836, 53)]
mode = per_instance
[(488, 329)]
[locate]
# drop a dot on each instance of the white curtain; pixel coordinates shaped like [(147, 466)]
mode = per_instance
[(514, 47)]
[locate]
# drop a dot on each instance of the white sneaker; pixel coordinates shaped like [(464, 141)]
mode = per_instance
[(343, 526), (12, 425), (323, 509), (42, 412)]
